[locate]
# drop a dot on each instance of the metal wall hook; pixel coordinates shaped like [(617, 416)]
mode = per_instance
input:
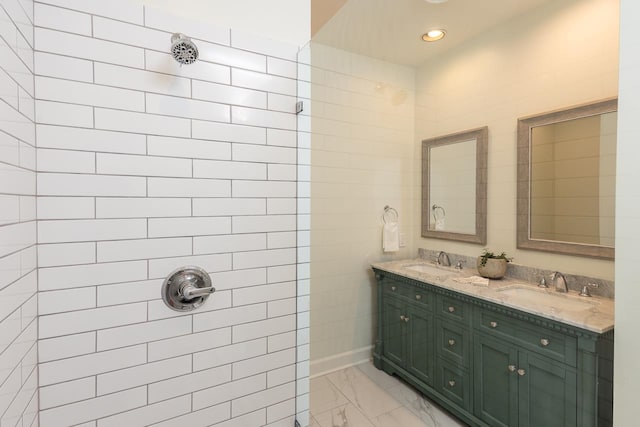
[(390, 215)]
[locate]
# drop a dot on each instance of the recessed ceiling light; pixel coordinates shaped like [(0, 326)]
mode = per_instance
[(436, 1), (433, 35)]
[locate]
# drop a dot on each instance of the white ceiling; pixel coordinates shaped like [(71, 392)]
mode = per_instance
[(391, 30)]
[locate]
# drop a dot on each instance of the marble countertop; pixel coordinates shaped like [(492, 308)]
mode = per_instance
[(595, 314)]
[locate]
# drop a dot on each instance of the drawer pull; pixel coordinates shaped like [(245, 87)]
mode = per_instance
[(452, 342), (521, 372), (451, 309), (544, 342), (452, 383), (511, 368), (393, 288), (418, 296), (493, 324)]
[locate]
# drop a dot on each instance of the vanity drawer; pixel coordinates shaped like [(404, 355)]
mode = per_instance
[(454, 343), (553, 344), (454, 383), (453, 309), (413, 293)]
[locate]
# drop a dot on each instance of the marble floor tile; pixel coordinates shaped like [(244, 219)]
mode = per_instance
[(363, 396), (344, 416), (431, 414), (381, 378), (362, 392), (324, 396), (401, 417)]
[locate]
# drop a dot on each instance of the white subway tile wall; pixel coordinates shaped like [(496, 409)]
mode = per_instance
[(19, 280), (146, 166)]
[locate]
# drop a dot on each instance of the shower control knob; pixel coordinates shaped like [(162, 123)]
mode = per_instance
[(186, 288), (190, 291)]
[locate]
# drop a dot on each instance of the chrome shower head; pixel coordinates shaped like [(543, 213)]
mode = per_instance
[(183, 49)]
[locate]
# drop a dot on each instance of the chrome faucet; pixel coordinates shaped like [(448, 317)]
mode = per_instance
[(443, 259), (585, 289), (560, 282)]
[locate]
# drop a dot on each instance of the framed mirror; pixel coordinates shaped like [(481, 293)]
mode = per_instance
[(566, 180), (454, 186)]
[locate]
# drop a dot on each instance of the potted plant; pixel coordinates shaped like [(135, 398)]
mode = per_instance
[(491, 265)]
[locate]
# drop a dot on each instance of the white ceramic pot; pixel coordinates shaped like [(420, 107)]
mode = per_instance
[(493, 269)]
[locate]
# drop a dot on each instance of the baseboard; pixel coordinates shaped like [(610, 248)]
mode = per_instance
[(339, 361)]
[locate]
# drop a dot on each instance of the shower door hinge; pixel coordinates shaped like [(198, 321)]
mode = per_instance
[(299, 107), (297, 424)]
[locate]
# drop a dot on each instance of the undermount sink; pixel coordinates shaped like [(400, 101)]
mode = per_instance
[(430, 269), (545, 300)]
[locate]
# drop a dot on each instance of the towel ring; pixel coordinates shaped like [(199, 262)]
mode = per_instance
[(435, 208), (390, 215)]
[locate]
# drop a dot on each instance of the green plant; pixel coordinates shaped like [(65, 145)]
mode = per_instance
[(486, 254)]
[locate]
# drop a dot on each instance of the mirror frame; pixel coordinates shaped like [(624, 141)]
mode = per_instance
[(481, 135), (525, 125)]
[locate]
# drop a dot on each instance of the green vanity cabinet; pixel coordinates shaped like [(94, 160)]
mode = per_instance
[(408, 335), (394, 331), (515, 387), (495, 387), (491, 365), (453, 346), (525, 374)]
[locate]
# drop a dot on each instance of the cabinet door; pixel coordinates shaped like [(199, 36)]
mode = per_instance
[(393, 329), (420, 355), (454, 383), (547, 392), (495, 382), (453, 342)]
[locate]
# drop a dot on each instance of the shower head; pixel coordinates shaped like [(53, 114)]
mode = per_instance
[(183, 49)]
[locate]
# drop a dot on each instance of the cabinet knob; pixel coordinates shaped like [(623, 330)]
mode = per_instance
[(418, 296), (451, 309), (393, 288), (544, 342), (521, 372), (511, 368), (402, 317), (452, 383), (406, 319), (493, 324), (452, 342)]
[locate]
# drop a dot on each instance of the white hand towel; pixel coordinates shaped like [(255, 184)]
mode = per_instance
[(473, 280), (390, 237), (440, 224)]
